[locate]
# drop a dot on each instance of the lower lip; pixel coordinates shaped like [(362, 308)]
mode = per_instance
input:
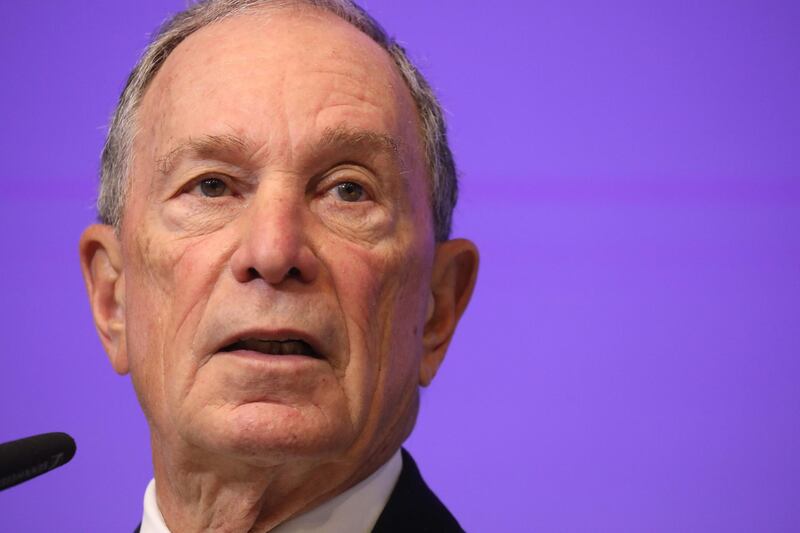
[(258, 357)]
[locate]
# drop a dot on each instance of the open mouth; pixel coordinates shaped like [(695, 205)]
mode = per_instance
[(273, 347)]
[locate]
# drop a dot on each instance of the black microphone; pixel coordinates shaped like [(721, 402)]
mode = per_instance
[(23, 459)]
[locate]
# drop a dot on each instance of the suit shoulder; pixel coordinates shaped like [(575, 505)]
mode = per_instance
[(413, 506)]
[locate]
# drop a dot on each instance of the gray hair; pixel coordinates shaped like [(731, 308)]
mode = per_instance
[(117, 153)]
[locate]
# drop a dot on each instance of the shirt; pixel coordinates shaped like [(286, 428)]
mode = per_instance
[(354, 511)]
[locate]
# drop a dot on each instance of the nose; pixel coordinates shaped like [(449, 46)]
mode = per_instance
[(274, 243)]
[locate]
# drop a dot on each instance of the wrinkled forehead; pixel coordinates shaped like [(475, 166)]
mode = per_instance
[(279, 77)]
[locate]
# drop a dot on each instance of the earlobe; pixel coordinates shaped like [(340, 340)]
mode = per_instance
[(455, 270), (101, 264)]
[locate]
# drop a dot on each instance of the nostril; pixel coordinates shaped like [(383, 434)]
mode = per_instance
[(254, 274)]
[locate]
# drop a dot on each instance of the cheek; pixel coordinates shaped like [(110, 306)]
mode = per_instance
[(403, 315), (167, 291), (381, 292)]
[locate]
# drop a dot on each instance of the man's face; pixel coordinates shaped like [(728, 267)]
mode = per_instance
[(277, 243)]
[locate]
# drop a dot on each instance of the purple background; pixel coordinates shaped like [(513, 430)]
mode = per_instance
[(631, 173)]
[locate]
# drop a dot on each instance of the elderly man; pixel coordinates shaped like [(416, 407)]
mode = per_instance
[(274, 268)]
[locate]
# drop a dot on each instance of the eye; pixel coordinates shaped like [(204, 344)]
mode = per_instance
[(213, 187), (350, 192)]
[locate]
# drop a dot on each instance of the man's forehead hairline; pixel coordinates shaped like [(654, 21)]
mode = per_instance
[(294, 8)]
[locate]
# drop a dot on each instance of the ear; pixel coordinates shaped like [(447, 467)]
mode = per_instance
[(455, 269), (101, 264)]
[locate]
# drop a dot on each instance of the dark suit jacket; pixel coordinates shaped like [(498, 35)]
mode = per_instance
[(412, 506)]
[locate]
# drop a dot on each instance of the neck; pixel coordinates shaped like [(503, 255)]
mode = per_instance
[(197, 493), (201, 491)]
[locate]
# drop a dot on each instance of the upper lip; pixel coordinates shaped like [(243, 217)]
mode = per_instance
[(273, 335)]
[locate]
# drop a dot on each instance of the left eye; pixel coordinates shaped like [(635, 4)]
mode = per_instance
[(350, 192)]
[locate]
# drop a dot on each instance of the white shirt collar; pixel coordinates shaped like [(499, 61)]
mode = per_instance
[(354, 511)]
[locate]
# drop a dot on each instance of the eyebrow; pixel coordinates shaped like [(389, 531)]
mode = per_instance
[(360, 140), (218, 147), (234, 148)]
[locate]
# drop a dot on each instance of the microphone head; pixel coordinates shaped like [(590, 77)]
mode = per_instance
[(23, 459)]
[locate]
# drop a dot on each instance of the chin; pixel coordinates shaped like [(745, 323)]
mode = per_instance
[(266, 433)]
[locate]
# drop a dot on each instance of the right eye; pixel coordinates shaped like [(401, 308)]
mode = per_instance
[(213, 188)]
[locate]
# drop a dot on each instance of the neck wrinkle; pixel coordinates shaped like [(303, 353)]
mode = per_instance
[(199, 492), (247, 498), (206, 494)]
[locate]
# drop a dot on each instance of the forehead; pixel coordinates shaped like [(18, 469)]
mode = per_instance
[(277, 77)]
